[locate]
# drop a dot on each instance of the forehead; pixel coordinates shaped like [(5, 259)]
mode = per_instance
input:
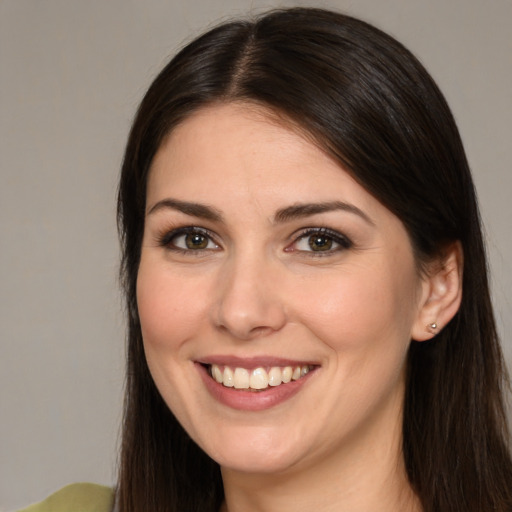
[(237, 148), (237, 131)]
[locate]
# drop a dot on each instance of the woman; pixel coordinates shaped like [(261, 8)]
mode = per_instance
[(308, 306), (261, 108)]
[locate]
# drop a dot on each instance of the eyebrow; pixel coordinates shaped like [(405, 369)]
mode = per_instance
[(287, 214), (201, 211), (300, 210)]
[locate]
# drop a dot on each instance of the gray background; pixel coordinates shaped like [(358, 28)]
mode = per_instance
[(71, 75)]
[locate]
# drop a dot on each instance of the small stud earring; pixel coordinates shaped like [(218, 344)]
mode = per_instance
[(433, 326)]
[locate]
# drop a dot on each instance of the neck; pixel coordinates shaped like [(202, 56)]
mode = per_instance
[(367, 473)]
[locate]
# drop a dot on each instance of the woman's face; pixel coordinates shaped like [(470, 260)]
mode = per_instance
[(276, 296)]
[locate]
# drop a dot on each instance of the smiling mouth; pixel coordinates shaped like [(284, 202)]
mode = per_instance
[(257, 379)]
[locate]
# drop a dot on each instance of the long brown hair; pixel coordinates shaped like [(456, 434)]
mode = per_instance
[(368, 102)]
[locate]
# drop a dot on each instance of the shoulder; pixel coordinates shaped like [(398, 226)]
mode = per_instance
[(77, 498)]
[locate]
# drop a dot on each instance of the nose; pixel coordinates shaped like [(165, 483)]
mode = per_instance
[(250, 302)]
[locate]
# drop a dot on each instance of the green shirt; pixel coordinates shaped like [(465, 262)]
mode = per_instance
[(77, 498)]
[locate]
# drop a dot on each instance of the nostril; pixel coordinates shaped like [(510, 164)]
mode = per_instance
[(248, 333)]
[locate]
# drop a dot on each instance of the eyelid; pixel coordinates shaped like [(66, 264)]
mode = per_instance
[(164, 239), (166, 236), (342, 240)]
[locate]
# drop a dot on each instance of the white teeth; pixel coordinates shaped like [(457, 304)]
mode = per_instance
[(287, 374), (304, 371), (259, 378), (217, 374), (275, 376), (241, 378), (228, 379)]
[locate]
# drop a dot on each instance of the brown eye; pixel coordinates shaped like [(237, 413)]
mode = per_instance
[(189, 239), (320, 242), (196, 241)]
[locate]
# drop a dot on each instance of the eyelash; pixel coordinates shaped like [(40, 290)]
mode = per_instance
[(166, 240), (342, 241)]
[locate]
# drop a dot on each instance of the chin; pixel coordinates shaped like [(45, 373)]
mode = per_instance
[(256, 463), (255, 452)]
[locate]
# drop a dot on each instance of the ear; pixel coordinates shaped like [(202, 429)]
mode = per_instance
[(441, 293)]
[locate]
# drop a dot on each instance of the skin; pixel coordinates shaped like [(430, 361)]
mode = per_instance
[(258, 289)]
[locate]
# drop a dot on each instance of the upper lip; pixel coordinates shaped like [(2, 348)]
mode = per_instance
[(252, 362)]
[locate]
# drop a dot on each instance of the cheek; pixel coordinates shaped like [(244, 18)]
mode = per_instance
[(361, 309), (169, 306)]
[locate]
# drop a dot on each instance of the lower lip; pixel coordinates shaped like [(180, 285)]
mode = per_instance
[(251, 400)]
